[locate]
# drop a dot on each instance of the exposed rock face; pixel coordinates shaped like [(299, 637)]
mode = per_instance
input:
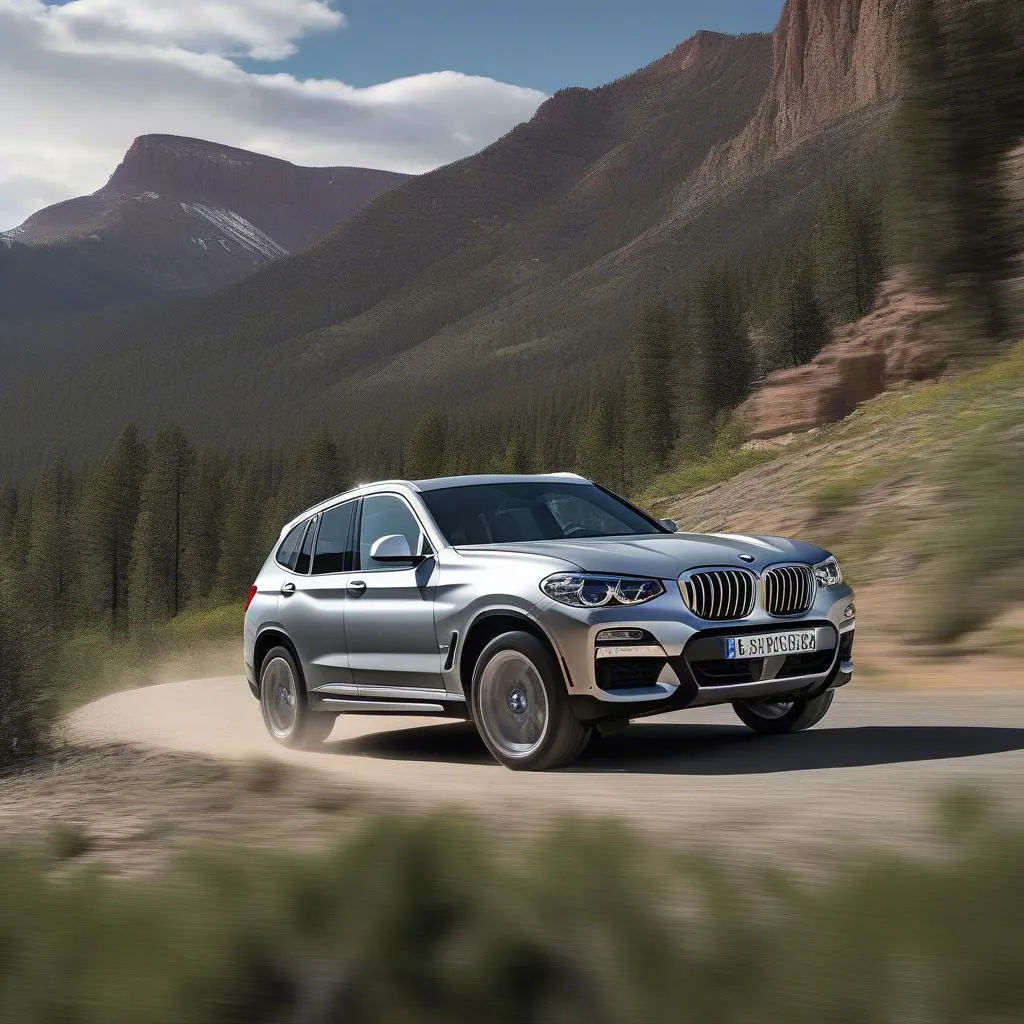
[(895, 343), (831, 58)]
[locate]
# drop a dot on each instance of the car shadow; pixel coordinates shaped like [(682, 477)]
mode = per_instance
[(708, 749)]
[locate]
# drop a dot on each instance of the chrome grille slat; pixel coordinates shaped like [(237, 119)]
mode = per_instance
[(720, 595), (788, 589)]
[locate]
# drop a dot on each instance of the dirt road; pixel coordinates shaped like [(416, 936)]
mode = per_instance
[(866, 773)]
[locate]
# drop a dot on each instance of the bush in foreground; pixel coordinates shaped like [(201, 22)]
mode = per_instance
[(424, 921), (26, 704), (976, 545)]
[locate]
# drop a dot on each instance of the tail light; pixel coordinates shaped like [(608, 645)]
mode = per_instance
[(250, 596)]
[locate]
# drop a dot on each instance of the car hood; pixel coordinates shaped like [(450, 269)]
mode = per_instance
[(666, 556)]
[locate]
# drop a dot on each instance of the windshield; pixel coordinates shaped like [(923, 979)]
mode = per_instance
[(509, 513)]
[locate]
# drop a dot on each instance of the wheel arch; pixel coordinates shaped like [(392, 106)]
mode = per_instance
[(266, 640), (493, 623)]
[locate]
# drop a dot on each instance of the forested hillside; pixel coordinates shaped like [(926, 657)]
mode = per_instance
[(502, 290), (160, 521)]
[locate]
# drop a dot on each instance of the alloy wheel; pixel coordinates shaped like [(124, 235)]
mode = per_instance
[(513, 704)]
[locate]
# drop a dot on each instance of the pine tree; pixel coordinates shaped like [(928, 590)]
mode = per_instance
[(850, 253), (599, 450), (321, 470), (157, 587), (106, 522), (513, 458), (652, 389), (426, 448), (201, 552), (239, 557), (802, 327), (50, 562), (721, 345)]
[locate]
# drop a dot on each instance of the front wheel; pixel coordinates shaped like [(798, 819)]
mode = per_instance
[(286, 712), (521, 708), (778, 715)]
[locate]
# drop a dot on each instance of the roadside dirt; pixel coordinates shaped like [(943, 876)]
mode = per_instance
[(129, 810)]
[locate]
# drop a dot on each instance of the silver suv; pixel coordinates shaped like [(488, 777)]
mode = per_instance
[(542, 608)]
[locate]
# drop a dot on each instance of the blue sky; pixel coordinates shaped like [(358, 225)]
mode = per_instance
[(544, 44), (406, 85)]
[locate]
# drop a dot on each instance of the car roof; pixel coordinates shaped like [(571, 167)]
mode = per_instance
[(440, 483)]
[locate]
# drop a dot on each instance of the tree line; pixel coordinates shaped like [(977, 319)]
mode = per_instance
[(160, 524)]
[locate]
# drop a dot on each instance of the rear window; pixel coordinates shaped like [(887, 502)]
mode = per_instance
[(289, 549), (306, 550)]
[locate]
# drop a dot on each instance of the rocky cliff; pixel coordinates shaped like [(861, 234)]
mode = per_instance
[(830, 59)]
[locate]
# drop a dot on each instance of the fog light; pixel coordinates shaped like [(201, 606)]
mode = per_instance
[(620, 636), (850, 611)]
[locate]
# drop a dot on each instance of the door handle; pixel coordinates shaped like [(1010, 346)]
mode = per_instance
[(287, 589), (357, 588)]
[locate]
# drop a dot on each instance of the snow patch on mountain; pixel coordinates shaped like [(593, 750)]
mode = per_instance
[(238, 229)]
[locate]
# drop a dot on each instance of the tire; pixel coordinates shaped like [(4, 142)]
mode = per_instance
[(521, 708), (285, 708), (801, 713)]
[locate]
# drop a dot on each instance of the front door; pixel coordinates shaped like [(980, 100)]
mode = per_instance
[(312, 603), (389, 617)]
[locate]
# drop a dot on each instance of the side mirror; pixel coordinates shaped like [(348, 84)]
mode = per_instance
[(395, 550), (670, 524)]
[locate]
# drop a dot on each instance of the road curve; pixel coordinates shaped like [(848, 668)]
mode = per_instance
[(867, 772)]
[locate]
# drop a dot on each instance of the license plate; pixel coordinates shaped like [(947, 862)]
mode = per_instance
[(768, 644)]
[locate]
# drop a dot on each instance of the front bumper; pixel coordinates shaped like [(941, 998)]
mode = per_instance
[(681, 663)]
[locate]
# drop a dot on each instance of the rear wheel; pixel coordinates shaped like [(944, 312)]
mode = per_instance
[(778, 715), (521, 708), (286, 712)]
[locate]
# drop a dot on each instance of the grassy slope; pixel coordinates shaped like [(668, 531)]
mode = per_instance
[(920, 491), (197, 644)]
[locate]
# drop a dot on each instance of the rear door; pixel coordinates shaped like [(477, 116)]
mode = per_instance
[(312, 603), (389, 619)]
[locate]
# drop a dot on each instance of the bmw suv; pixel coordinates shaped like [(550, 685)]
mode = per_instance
[(541, 608)]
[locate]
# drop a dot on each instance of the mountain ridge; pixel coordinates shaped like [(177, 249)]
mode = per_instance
[(187, 215), (510, 273)]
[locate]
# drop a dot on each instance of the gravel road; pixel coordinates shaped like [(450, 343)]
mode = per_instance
[(868, 773)]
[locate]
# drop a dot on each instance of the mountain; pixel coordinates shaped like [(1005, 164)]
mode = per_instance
[(502, 278), (177, 215), (831, 59)]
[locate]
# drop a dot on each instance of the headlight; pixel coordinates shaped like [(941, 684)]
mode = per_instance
[(828, 573), (585, 590)]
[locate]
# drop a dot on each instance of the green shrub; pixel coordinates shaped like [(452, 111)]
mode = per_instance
[(423, 920), (974, 549)]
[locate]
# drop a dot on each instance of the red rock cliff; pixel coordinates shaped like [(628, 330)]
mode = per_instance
[(831, 58)]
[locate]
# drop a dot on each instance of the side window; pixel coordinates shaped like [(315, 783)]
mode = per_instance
[(384, 515), (333, 551), (289, 549), (306, 551)]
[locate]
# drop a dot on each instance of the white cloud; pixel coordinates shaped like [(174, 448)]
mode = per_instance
[(265, 29), (85, 78)]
